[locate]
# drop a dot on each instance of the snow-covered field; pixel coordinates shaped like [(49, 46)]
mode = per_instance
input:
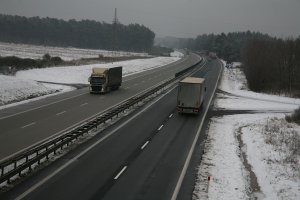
[(80, 74), (253, 155), (67, 53), (24, 85)]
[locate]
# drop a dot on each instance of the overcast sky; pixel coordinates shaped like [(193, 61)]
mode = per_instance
[(180, 18)]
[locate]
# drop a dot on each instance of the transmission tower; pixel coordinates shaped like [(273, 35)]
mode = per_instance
[(115, 34), (116, 21)]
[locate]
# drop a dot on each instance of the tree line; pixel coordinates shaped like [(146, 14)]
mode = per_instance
[(227, 46), (81, 34), (272, 65), (9, 65)]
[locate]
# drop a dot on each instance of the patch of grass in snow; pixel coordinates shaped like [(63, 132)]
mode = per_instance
[(295, 117), (285, 139)]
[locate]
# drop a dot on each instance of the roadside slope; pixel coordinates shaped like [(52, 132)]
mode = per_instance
[(251, 150)]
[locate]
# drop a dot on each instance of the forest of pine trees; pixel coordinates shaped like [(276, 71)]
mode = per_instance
[(81, 34), (227, 46), (270, 64)]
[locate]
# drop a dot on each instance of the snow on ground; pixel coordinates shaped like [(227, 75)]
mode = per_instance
[(176, 54), (221, 161), (24, 85), (271, 147), (250, 156), (234, 82), (231, 102), (16, 89), (80, 74), (66, 53)]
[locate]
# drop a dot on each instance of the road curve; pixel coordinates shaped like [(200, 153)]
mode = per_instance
[(141, 157), (28, 124)]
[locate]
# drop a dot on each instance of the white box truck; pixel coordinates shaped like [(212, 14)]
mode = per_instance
[(190, 97)]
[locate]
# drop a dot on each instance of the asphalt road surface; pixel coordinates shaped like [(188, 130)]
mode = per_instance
[(28, 124), (143, 156)]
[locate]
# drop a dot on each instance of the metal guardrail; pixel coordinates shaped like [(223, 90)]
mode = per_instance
[(14, 166)]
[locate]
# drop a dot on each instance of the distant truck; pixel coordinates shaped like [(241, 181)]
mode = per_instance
[(190, 97), (103, 80)]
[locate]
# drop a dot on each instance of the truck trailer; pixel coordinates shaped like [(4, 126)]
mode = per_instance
[(190, 97), (103, 80)]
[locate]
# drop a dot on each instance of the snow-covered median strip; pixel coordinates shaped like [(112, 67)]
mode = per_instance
[(250, 156)]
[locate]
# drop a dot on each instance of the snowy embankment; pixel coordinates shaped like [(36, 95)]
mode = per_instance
[(25, 84), (80, 74), (13, 89), (254, 155)]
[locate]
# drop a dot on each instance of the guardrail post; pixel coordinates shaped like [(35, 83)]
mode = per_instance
[(2, 171), (47, 156), (15, 164), (37, 154)]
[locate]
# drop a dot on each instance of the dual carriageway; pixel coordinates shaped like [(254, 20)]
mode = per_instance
[(146, 155)]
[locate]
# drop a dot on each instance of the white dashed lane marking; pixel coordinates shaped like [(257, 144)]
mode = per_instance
[(146, 143), (31, 124), (120, 173), (60, 113)]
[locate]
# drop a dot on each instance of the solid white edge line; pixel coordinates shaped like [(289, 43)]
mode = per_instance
[(160, 127), (28, 125), (35, 186), (188, 159), (121, 172), (146, 143)]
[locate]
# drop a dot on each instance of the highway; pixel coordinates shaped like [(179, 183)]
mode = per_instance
[(143, 156), (28, 124)]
